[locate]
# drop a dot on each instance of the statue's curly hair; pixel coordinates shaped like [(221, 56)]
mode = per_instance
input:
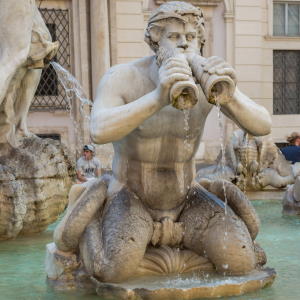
[(182, 11)]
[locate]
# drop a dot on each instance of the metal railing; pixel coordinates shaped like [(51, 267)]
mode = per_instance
[(286, 82), (50, 94)]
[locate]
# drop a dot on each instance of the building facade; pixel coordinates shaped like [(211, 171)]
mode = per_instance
[(259, 38)]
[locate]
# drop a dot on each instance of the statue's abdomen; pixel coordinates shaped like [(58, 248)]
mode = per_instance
[(160, 187)]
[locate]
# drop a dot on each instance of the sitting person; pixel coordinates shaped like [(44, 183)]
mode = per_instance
[(88, 166), (87, 169), (292, 151)]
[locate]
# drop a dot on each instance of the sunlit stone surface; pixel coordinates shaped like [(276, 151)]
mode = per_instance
[(253, 163), (188, 287), (34, 182), (35, 174), (291, 199), (26, 47)]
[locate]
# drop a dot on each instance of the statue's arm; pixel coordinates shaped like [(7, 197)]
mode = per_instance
[(112, 118), (251, 117)]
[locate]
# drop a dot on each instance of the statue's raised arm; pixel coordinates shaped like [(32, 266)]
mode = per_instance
[(218, 81), (130, 94)]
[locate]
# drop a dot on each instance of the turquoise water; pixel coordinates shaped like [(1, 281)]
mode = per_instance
[(22, 261)]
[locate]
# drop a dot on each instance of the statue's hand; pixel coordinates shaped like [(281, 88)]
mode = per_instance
[(215, 65), (215, 76), (173, 69)]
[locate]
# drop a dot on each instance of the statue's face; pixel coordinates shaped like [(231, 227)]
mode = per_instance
[(178, 37)]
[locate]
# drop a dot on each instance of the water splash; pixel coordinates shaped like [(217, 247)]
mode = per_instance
[(223, 163), (71, 84), (186, 128), (74, 92), (246, 165), (223, 157)]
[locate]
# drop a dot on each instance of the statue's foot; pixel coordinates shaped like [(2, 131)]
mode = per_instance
[(24, 133)]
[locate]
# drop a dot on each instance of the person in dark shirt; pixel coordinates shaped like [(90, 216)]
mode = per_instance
[(292, 151)]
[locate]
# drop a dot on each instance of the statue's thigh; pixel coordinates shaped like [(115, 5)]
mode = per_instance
[(126, 231), (228, 245), (127, 226), (224, 239)]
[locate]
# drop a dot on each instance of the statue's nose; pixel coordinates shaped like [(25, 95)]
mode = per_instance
[(183, 43)]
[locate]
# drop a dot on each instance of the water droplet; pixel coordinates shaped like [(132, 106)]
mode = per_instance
[(225, 266)]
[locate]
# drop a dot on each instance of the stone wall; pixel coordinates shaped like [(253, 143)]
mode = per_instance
[(254, 45)]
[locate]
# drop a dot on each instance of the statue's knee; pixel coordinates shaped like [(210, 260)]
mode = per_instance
[(112, 273), (236, 261), (238, 267)]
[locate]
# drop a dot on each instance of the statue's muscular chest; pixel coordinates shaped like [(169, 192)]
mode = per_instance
[(171, 122)]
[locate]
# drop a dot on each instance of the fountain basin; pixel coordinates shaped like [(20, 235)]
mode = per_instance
[(22, 261), (187, 286)]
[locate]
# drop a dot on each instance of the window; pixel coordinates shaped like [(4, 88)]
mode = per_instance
[(286, 19), (50, 94), (286, 82)]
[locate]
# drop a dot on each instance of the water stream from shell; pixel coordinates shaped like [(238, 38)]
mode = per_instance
[(223, 164)]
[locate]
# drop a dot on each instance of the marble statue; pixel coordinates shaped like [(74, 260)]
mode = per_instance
[(151, 217), (26, 46), (291, 199), (252, 163), (35, 174)]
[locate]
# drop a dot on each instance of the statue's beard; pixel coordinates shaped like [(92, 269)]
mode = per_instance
[(162, 54)]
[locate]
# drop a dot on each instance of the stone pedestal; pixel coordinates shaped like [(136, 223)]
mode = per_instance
[(186, 287), (34, 182), (64, 272)]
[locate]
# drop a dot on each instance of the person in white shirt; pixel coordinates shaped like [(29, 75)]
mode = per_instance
[(88, 166), (87, 169)]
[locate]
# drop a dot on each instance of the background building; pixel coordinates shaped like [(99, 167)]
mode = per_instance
[(260, 38)]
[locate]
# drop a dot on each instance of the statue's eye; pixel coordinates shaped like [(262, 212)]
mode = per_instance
[(173, 36), (190, 36)]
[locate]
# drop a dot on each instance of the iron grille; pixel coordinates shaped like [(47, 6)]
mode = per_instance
[(50, 94), (286, 82)]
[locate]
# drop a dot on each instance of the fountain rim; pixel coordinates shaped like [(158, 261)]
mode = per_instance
[(264, 277)]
